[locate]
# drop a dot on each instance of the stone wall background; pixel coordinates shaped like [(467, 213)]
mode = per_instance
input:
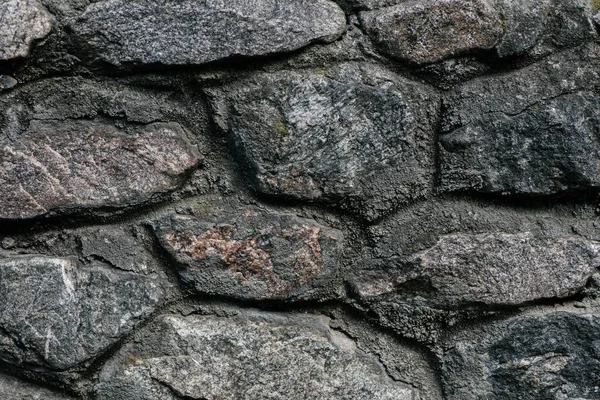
[(302, 199)]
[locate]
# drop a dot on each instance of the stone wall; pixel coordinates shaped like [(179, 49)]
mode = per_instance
[(299, 199)]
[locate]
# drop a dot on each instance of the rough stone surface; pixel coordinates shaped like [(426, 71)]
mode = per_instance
[(251, 253), (354, 134), (53, 160), (57, 313), (538, 28), (536, 139), (408, 190), (428, 31), (197, 32), (253, 355), (496, 269), (553, 356), (21, 23), (15, 389)]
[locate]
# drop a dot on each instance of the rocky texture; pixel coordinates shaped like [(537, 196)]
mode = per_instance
[(15, 389), (352, 134), (53, 160), (538, 28), (57, 313), (493, 269), (21, 23), (533, 131), (253, 355), (428, 31), (407, 189), (552, 356), (254, 254), (197, 32)]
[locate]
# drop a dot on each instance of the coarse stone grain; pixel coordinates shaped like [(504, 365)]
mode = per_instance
[(21, 23), (354, 134), (57, 313), (249, 356), (197, 32), (252, 253)]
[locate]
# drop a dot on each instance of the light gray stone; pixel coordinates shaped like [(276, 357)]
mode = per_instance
[(428, 31), (21, 23), (533, 131), (15, 389), (503, 269), (247, 252), (490, 269), (550, 356), (254, 355), (353, 134), (57, 313), (197, 32), (7, 82), (98, 148)]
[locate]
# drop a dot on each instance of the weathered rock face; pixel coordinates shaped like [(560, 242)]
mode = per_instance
[(197, 32), (253, 355), (356, 135), (21, 23), (553, 356), (422, 32), (408, 189), (537, 139), (15, 389), (538, 28), (428, 31), (488, 269), (56, 313), (251, 253), (69, 161)]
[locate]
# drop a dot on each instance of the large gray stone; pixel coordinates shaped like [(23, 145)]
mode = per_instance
[(352, 134), (539, 27), (533, 131), (253, 253), (551, 356), (427, 31), (21, 23), (196, 32), (15, 389), (491, 269), (57, 313), (66, 152), (253, 355)]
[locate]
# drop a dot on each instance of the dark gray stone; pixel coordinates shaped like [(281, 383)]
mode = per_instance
[(531, 132), (428, 31), (539, 27), (15, 389), (489, 269), (21, 23), (64, 152), (247, 252), (254, 355), (57, 313), (551, 356), (353, 134), (197, 32)]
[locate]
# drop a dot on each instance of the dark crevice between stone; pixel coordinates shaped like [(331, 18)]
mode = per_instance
[(28, 374)]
